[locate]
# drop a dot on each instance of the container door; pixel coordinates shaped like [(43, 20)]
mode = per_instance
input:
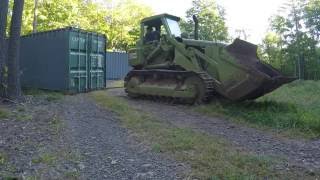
[(97, 62), (78, 62)]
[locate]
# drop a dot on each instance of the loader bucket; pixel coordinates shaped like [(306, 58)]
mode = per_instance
[(261, 78)]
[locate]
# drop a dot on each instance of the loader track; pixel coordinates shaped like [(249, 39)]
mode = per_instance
[(209, 84), (206, 80)]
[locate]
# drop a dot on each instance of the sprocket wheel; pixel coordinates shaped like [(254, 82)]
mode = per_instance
[(198, 86), (132, 83)]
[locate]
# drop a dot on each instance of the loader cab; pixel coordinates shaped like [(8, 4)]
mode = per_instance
[(153, 28)]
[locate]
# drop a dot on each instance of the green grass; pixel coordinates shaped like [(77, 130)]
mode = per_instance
[(116, 84), (46, 158), (209, 157), (20, 114), (293, 109), (2, 159), (49, 95), (4, 113), (24, 117), (10, 178), (72, 175), (56, 125)]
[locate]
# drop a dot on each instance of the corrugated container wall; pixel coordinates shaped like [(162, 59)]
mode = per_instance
[(69, 60), (117, 65)]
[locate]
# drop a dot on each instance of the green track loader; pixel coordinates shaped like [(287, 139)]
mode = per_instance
[(167, 64)]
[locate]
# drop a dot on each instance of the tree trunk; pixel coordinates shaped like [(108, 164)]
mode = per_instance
[(35, 17), (14, 89), (302, 67), (3, 49)]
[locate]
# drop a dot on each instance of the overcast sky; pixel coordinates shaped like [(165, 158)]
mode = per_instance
[(250, 15)]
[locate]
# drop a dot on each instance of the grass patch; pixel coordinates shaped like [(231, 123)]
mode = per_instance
[(72, 175), (21, 109), (19, 114), (46, 158), (24, 117), (209, 157), (2, 159), (116, 84), (10, 178), (49, 95), (4, 113), (293, 108), (56, 124)]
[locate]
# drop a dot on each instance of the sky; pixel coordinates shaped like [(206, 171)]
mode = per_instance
[(249, 15)]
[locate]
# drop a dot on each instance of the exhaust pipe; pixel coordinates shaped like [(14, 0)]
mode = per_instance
[(196, 27)]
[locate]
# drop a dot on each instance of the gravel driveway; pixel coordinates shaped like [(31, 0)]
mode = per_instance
[(300, 154), (108, 149), (73, 138)]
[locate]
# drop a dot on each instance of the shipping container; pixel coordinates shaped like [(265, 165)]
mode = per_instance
[(68, 59), (117, 65)]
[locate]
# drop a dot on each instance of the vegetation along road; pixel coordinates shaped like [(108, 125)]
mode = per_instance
[(105, 135)]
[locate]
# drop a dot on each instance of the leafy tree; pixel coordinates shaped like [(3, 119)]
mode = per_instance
[(212, 25), (27, 17), (57, 14), (119, 20), (14, 89), (273, 54), (123, 20), (298, 39), (312, 23), (312, 15), (35, 17), (294, 34)]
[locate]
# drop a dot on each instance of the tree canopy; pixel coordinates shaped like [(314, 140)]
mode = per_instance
[(294, 45), (119, 20), (212, 25)]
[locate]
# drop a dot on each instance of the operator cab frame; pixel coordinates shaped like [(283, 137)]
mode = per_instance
[(161, 24)]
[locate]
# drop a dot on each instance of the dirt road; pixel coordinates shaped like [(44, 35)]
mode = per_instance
[(298, 154), (73, 138)]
